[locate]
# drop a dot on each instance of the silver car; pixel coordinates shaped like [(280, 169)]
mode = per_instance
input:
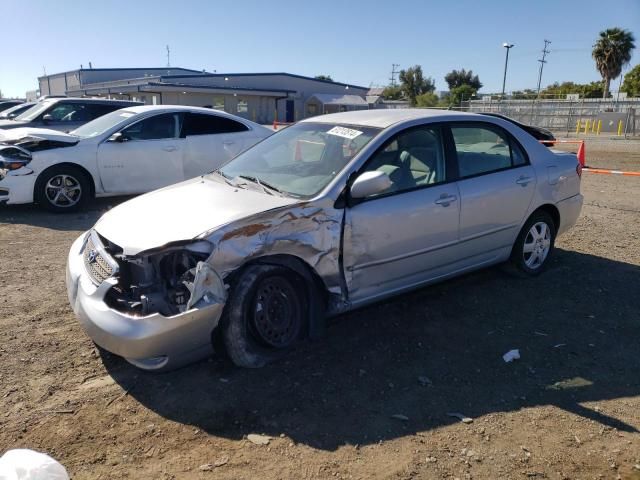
[(330, 214)]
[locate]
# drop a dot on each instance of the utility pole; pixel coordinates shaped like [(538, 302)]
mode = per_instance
[(168, 57), (542, 62), (393, 73)]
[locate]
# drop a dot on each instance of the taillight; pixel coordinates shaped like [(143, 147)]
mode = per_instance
[(579, 170)]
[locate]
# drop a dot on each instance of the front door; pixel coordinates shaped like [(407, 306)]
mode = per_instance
[(496, 185), (290, 116), (400, 238), (148, 155)]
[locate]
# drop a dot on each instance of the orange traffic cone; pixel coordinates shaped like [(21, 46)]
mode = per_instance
[(581, 154)]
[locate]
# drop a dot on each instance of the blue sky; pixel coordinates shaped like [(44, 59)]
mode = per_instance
[(353, 41)]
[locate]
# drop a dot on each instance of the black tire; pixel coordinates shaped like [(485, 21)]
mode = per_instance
[(255, 334), (74, 182), (521, 259)]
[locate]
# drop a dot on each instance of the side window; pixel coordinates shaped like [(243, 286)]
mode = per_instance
[(97, 110), (203, 124), (484, 149), (413, 158), (158, 127), (68, 112)]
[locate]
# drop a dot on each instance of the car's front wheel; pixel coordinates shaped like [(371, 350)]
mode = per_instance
[(62, 189), (534, 244), (265, 316)]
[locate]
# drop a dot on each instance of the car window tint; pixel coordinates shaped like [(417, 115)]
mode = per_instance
[(69, 112), (413, 158), (154, 128), (483, 149), (97, 110), (203, 124)]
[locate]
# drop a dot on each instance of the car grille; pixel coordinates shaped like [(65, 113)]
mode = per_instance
[(98, 268)]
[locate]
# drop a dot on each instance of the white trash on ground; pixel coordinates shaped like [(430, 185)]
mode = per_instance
[(511, 355), (23, 464)]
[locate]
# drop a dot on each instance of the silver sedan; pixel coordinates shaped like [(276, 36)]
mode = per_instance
[(330, 214)]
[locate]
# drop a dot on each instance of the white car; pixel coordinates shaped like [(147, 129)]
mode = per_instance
[(129, 151)]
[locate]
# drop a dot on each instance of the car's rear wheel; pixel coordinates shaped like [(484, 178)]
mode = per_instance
[(62, 189), (535, 244), (265, 316)]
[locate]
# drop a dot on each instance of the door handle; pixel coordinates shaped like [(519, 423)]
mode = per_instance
[(228, 143), (445, 200), (524, 181), (170, 148)]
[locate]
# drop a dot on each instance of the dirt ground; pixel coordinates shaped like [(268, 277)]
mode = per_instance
[(369, 401)]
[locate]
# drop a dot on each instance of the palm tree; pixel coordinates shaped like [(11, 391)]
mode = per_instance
[(611, 52)]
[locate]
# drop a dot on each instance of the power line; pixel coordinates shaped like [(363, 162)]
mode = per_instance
[(542, 62), (393, 73)]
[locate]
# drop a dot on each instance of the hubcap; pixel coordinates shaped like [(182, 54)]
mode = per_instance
[(276, 313), (537, 245), (63, 191)]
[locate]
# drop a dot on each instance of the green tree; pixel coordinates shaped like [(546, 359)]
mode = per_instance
[(413, 83), (428, 100), (457, 78), (631, 83), (461, 93), (326, 78), (611, 52), (586, 90), (392, 92)]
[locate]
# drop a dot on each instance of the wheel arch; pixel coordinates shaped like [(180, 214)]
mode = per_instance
[(317, 303), (553, 212), (72, 165)]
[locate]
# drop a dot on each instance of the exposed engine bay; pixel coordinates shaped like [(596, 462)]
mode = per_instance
[(33, 143), (168, 282)]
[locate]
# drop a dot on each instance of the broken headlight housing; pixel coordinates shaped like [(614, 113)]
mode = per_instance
[(166, 281)]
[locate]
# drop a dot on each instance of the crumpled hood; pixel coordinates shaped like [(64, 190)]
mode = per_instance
[(181, 212), (43, 133)]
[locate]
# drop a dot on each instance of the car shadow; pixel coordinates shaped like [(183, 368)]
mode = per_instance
[(81, 220), (402, 366)]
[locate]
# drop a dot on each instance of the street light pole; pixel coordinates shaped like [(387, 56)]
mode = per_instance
[(508, 46)]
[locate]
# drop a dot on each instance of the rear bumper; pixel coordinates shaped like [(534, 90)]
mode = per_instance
[(569, 212), (151, 342)]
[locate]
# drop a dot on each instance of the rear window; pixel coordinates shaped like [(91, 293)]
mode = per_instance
[(204, 124)]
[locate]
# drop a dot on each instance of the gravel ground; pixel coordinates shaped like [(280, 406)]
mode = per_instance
[(373, 399)]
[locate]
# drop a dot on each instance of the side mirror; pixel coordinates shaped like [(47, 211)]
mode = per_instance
[(118, 137), (47, 118), (370, 183)]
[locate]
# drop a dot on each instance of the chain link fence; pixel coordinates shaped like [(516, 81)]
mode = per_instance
[(563, 116)]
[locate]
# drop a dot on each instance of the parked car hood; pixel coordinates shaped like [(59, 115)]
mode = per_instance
[(16, 134), (7, 124), (181, 212)]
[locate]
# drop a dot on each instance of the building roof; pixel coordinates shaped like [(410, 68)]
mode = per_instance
[(264, 74), (337, 99), (383, 118)]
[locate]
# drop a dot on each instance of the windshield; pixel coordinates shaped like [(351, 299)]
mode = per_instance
[(300, 160), (102, 124), (33, 112)]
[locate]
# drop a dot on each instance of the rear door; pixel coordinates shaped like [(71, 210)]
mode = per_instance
[(211, 140), (496, 184), (149, 156)]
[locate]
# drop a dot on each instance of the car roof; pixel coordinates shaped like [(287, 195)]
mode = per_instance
[(383, 118), (181, 108), (89, 100)]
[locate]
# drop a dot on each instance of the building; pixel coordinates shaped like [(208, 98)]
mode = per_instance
[(261, 97)]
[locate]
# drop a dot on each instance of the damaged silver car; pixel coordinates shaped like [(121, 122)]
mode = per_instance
[(330, 214)]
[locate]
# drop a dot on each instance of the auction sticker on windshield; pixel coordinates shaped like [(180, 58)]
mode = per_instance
[(344, 132)]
